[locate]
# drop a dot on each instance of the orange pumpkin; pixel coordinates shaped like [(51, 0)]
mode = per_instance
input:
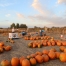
[(37, 38), (38, 53), (45, 58), (31, 38), (53, 43), (21, 59), (1, 44), (57, 54), (1, 50), (7, 48), (25, 38), (64, 43), (5, 63), (65, 50), (49, 43), (44, 43), (12, 41), (28, 57), (53, 49), (33, 61), (59, 43), (25, 62), (33, 55), (62, 48), (30, 44), (45, 51), (62, 57), (39, 45), (15, 61), (52, 55), (34, 45), (39, 58)]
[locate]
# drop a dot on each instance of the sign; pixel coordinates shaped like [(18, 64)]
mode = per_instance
[(13, 35)]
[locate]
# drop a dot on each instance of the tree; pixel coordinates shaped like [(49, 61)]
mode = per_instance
[(23, 26), (12, 25), (17, 25), (35, 27)]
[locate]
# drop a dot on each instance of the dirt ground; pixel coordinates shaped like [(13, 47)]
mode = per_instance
[(20, 48)]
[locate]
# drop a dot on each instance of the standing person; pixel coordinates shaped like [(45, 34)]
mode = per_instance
[(40, 32), (13, 30), (44, 33), (24, 33), (61, 36)]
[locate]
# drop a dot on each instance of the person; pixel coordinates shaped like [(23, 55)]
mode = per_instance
[(24, 33), (62, 37), (40, 32), (13, 30), (44, 33)]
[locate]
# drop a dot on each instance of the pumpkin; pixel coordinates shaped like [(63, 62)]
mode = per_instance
[(62, 57), (64, 43), (57, 54), (52, 39), (34, 45), (15, 61), (25, 62), (34, 38), (53, 43), (7, 48), (30, 45), (49, 43), (62, 48), (65, 50), (38, 53), (45, 58), (1, 50), (44, 43), (12, 41), (53, 49), (33, 55), (33, 61), (28, 57), (37, 38), (39, 45), (59, 43), (31, 38), (39, 58), (1, 44), (8, 40), (25, 38), (45, 51), (5, 63), (52, 55), (21, 59)]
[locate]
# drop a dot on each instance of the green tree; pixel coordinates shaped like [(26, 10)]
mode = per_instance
[(23, 26), (12, 25), (17, 25)]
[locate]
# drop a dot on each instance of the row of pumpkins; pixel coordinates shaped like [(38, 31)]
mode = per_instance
[(10, 40), (51, 42), (5, 34), (38, 57), (3, 47), (36, 37)]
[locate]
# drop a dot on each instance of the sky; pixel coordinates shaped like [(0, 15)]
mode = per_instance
[(38, 13)]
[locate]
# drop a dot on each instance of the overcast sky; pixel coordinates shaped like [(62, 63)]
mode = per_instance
[(33, 12)]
